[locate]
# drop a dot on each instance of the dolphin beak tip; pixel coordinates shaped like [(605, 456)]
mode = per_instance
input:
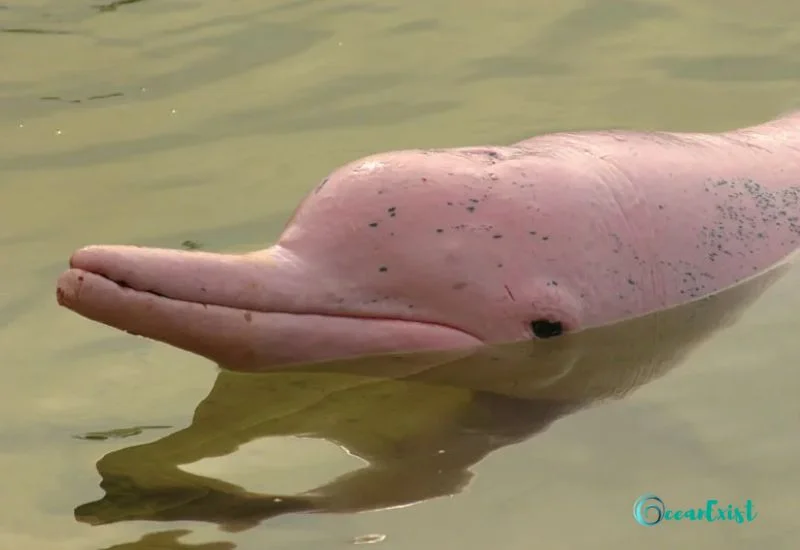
[(67, 287)]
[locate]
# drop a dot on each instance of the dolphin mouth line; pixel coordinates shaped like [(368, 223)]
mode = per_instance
[(125, 287)]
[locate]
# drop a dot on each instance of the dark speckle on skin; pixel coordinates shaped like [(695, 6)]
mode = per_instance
[(631, 282), (440, 230), (734, 214), (459, 286), (497, 236), (545, 238), (480, 228), (383, 269), (374, 224), (392, 211), (745, 216), (449, 203), (248, 316), (617, 243), (470, 209)]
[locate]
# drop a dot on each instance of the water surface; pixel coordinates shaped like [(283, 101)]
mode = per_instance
[(156, 123)]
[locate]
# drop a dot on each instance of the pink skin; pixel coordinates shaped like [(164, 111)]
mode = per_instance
[(456, 248)]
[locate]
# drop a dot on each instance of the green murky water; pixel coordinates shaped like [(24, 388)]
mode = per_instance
[(178, 123)]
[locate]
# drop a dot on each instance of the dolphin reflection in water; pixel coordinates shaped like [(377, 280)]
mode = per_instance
[(419, 420)]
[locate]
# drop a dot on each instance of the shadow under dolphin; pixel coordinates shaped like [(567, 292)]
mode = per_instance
[(419, 420)]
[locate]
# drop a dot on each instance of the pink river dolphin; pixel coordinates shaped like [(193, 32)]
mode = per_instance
[(463, 247)]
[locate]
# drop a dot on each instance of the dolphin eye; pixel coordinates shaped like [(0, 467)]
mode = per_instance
[(544, 328)]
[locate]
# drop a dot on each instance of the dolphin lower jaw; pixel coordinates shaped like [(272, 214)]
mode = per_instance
[(246, 339)]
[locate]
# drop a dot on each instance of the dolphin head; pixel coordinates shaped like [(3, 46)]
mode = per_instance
[(403, 251)]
